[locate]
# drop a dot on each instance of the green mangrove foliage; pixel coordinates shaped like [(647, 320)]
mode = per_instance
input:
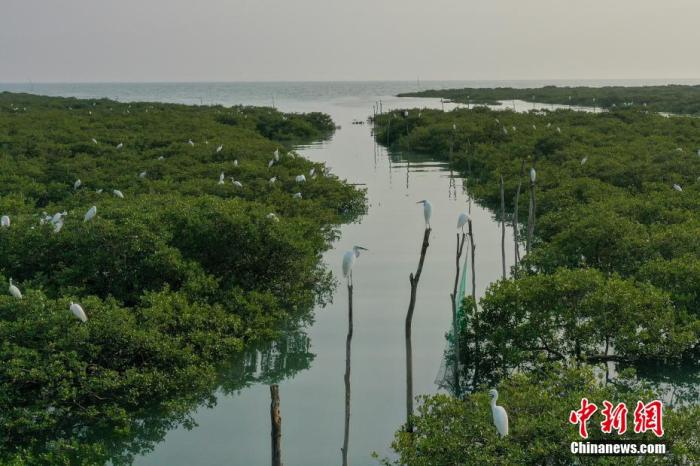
[(180, 270), (672, 98), (461, 432), (610, 276)]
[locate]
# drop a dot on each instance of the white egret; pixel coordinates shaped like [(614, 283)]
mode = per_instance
[(57, 226), (270, 163), (427, 211), (77, 184), (58, 216), (161, 158), (238, 184), (300, 178), (500, 417), (90, 214), (94, 140), (272, 216), (5, 221), (99, 191), (118, 193), (273, 179), (235, 163), (533, 175), (14, 291), (505, 131), (513, 127), (584, 160), (78, 311), (277, 155), (534, 127), (678, 188), (296, 196), (549, 125), (348, 261), (219, 149), (312, 171), (143, 174), (462, 220), (222, 177), (190, 143), (558, 130), (120, 145)]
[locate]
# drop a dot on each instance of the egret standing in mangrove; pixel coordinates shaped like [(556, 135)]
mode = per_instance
[(500, 416), (5, 221), (14, 291), (90, 214), (79, 313), (427, 211)]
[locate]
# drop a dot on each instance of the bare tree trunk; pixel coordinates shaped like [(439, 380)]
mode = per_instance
[(348, 343), (476, 306), (531, 217), (516, 234), (455, 322), (276, 419), (409, 319), (503, 228)]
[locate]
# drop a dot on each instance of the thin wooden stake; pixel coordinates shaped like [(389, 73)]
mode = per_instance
[(276, 419), (455, 321), (348, 343), (516, 234), (409, 319)]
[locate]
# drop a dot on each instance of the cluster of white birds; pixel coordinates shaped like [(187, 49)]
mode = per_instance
[(75, 308)]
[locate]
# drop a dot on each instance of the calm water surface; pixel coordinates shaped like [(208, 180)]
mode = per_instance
[(236, 431)]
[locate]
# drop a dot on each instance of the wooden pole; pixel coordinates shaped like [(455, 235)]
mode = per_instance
[(516, 234), (503, 228), (276, 419), (413, 279), (455, 322), (348, 343), (476, 307), (531, 217)]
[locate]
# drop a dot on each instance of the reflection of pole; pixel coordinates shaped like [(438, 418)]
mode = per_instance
[(348, 343), (455, 321), (409, 319), (503, 228), (276, 419), (515, 215), (531, 217), (476, 307)]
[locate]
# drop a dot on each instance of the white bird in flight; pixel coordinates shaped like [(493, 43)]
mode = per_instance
[(90, 214), (78, 311), (462, 220), (349, 260), (427, 211), (500, 417), (14, 291), (118, 193), (5, 221)]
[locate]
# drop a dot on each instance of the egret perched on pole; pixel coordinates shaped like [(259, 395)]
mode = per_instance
[(427, 211), (14, 291), (79, 313), (348, 261), (90, 214), (500, 417), (462, 220), (5, 221)]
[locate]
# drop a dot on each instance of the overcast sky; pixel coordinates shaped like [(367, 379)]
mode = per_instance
[(279, 40)]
